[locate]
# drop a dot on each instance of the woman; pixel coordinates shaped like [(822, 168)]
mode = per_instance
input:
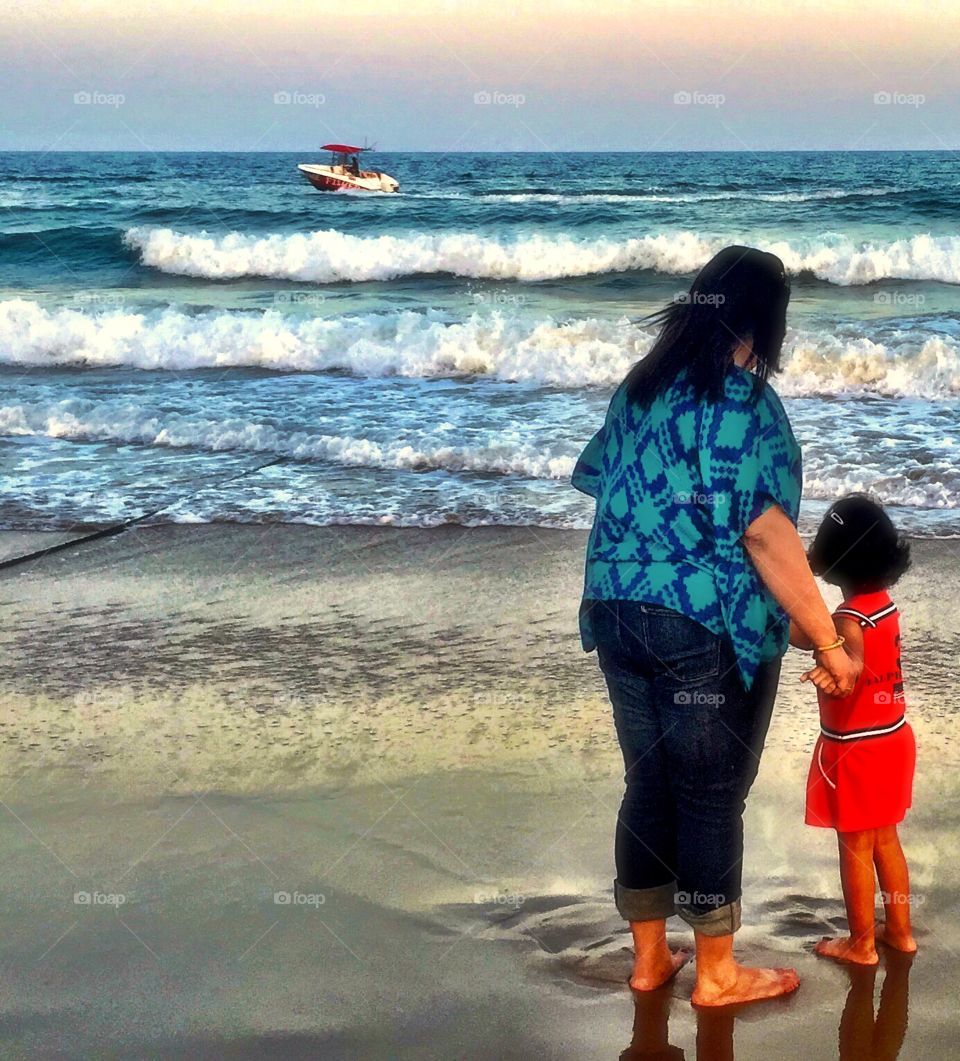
[(694, 569)]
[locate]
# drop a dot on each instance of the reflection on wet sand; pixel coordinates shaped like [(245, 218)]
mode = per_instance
[(863, 1035), (651, 1032)]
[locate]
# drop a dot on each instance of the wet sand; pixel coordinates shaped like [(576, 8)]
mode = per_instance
[(396, 732)]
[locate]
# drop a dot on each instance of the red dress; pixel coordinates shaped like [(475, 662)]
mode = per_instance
[(861, 776)]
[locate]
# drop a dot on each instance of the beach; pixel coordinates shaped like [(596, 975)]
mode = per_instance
[(310, 761), (350, 791)]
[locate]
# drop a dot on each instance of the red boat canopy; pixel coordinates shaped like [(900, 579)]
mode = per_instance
[(344, 149)]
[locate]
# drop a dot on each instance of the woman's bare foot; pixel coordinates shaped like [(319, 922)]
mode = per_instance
[(897, 940), (860, 952), (743, 984), (656, 974)]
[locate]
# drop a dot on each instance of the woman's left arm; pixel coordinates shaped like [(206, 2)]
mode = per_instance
[(799, 639), (777, 552)]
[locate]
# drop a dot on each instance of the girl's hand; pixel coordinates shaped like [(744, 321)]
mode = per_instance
[(836, 672), (822, 679), (843, 667)]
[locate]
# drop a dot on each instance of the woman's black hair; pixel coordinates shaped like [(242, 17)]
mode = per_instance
[(741, 293), (858, 547)]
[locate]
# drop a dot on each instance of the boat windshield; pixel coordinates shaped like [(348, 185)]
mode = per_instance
[(351, 163)]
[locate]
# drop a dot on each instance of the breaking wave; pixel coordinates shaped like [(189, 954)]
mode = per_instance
[(85, 420), (330, 256), (588, 352)]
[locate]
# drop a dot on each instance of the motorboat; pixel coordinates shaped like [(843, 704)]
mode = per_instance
[(344, 172)]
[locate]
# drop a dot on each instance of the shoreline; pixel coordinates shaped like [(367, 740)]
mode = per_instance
[(290, 656)]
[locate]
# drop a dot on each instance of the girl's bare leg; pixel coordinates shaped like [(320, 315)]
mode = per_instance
[(856, 876), (894, 880), (654, 962)]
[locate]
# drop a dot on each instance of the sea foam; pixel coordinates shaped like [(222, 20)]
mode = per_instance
[(582, 352), (330, 256)]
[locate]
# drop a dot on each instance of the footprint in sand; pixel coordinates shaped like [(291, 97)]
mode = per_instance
[(578, 938)]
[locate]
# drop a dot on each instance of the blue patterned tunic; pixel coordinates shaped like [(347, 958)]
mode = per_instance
[(677, 483)]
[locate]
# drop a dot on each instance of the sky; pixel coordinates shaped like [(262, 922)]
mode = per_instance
[(464, 75)]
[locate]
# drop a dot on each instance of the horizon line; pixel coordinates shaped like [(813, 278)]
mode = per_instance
[(497, 151)]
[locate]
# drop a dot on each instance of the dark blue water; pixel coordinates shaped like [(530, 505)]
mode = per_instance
[(441, 354)]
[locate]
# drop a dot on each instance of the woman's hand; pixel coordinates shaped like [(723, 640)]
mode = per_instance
[(836, 672)]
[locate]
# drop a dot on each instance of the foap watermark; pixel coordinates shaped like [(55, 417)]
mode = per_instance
[(95, 98), (902, 898), (115, 899), (709, 899), (699, 298), (299, 99), (499, 298), (699, 99), (299, 298), (502, 898), (499, 698), (899, 99), (104, 299), (487, 98), (314, 899), (899, 298), (715, 499), (690, 697)]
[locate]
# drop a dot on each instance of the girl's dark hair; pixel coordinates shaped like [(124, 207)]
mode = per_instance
[(740, 293), (858, 547)]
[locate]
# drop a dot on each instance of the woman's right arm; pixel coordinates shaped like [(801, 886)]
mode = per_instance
[(777, 552)]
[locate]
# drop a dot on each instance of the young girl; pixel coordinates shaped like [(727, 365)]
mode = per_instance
[(861, 776)]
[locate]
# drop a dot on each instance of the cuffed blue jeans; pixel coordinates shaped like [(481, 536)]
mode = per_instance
[(691, 737)]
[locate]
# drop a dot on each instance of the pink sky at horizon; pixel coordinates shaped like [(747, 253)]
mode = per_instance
[(457, 75)]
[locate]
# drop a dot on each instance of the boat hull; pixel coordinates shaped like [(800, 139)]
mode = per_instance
[(329, 179)]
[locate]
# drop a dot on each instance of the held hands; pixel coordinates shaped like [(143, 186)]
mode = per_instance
[(836, 672)]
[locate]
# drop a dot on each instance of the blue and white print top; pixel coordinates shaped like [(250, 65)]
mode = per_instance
[(677, 482)]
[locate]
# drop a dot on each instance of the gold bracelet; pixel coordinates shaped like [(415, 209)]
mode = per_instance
[(833, 644)]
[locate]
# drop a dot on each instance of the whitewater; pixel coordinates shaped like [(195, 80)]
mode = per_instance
[(442, 355)]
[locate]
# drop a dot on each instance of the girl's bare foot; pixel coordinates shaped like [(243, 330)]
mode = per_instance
[(897, 940), (649, 978), (860, 952), (740, 983)]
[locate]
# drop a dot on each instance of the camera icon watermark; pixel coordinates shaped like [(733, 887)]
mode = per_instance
[(499, 298), (487, 98), (299, 99), (699, 899), (502, 898), (299, 298), (104, 299), (314, 899), (899, 99), (699, 298), (114, 899), (899, 298), (696, 697), (902, 898), (99, 99), (713, 499), (686, 98)]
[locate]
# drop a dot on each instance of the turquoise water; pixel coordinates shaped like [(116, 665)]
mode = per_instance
[(440, 355)]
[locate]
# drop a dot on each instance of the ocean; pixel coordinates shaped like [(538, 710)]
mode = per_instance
[(441, 355)]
